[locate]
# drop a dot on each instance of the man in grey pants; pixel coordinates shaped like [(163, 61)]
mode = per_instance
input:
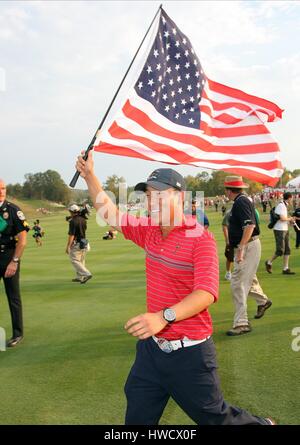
[(77, 245), (243, 237)]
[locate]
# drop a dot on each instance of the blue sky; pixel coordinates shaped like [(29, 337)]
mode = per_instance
[(61, 62)]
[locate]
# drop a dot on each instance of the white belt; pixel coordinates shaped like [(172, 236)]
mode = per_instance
[(172, 345)]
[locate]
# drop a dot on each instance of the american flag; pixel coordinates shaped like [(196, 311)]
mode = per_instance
[(176, 115)]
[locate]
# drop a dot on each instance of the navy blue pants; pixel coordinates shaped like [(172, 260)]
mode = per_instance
[(189, 376)]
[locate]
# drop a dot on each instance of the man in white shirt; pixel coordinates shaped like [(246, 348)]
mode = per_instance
[(281, 233)]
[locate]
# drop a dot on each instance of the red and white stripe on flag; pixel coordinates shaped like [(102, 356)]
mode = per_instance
[(232, 136)]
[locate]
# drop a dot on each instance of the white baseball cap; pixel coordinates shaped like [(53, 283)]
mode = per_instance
[(74, 208)]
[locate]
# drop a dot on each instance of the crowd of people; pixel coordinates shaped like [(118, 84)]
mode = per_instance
[(265, 200), (43, 211)]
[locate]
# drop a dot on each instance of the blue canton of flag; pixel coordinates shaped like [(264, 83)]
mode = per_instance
[(172, 78)]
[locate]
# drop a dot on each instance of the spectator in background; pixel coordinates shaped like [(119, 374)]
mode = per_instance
[(37, 232), (77, 244), (110, 234), (229, 250), (257, 215), (216, 203), (296, 215), (200, 215), (281, 234)]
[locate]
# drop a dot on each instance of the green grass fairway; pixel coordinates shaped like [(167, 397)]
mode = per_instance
[(73, 362)]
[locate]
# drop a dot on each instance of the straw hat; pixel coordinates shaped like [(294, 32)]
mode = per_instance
[(235, 182)]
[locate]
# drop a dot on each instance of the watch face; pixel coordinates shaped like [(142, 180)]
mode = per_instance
[(169, 315)]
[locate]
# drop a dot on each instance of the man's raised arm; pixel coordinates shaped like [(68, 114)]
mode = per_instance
[(104, 206)]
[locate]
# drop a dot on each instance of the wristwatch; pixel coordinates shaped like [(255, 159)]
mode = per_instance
[(16, 259), (169, 315)]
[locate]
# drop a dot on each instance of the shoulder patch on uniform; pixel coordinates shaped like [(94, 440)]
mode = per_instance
[(21, 215), (13, 206)]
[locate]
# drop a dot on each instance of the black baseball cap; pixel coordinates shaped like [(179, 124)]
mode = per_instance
[(162, 179)]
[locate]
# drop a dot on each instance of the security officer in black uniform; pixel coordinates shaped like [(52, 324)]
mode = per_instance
[(13, 234)]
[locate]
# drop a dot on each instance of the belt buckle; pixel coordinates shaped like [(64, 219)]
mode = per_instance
[(165, 345)]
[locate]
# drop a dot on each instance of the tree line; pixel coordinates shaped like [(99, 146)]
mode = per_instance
[(212, 184), (50, 186), (47, 185)]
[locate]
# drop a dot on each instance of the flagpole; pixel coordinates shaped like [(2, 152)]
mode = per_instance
[(85, 156)]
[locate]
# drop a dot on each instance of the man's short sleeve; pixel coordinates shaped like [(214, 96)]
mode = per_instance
[(225, 221), (135, 229), (72, 228), (281, 209), (202, 218), (246, 213), (20, 223), (206, 265)]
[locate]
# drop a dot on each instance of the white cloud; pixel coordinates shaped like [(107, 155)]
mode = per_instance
[(269, 9), (14, 24), (219, 23), (2, 80), (289, 67)]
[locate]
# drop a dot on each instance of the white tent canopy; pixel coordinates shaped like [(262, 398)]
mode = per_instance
[(294, 183)]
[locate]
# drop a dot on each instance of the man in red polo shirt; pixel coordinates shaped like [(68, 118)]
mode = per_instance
[(175, 352)]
